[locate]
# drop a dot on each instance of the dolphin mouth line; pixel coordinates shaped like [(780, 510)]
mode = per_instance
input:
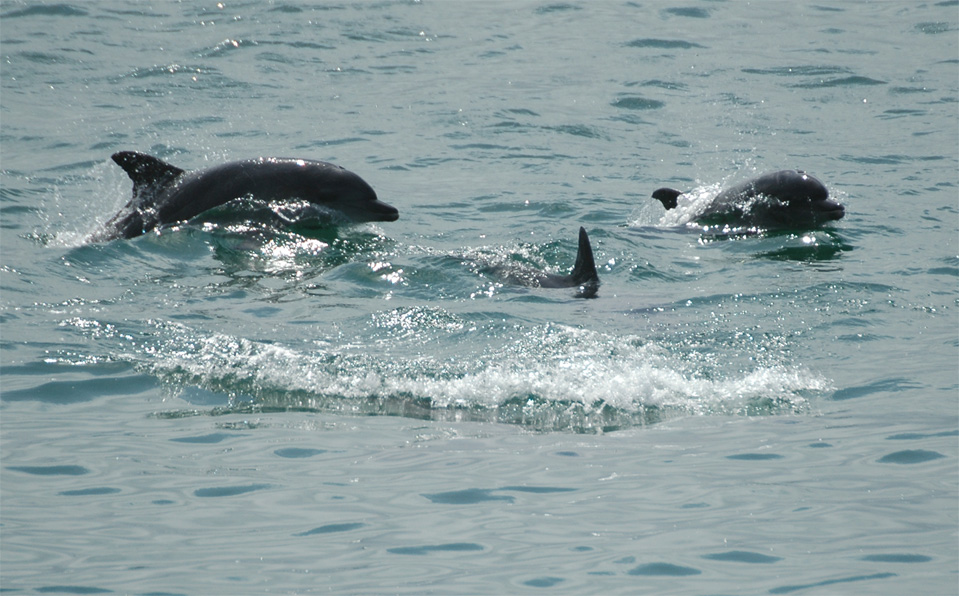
[(830, 209), (388, 213)]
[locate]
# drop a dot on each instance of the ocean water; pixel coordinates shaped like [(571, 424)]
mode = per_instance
[(236, 406)]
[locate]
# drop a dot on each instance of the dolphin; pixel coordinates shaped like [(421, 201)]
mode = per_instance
[(784, 199), (583, 277), (165, 194)]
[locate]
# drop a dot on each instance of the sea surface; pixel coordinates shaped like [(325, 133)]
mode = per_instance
[(253, 404)]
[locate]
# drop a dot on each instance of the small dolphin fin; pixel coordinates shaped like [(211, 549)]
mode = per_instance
[(584, 271), (667, 196), (145, 170)]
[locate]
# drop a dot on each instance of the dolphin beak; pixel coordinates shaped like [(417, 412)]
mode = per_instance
[(831, 210), (384, 212)]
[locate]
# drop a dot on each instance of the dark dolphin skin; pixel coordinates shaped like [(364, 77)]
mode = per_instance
[(787, 198), (164, 194), (583, 276)]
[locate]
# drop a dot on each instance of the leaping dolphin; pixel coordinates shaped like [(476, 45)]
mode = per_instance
[(787, 198), (165, 194)]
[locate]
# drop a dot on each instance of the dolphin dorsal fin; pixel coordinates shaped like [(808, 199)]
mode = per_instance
[(584, 271), (145, 170), (667, 196)]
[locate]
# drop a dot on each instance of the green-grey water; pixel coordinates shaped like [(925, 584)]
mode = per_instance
[(236, 405)]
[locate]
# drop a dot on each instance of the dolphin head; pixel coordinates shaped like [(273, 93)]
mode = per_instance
[(332, 186), (798, 198)]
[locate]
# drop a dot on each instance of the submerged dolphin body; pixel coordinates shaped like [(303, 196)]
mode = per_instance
[(583, 277), (164, 194), (787, 198)]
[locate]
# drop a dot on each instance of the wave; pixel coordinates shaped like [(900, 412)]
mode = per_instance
[(545, 377)]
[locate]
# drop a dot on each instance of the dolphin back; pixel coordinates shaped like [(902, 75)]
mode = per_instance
[(792, 186), (786, 185)]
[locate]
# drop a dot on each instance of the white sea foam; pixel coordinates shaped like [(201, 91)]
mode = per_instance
[(552, 366)]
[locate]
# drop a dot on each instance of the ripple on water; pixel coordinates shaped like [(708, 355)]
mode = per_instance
[(470, 496), (663, 569), (910, 456), (298, 452), (663, 44), (209, 439), (741, 556), (754, 456), (229, 491), (333, 528), (63, 470), (84, 492), (897, 558), (453, 547)]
